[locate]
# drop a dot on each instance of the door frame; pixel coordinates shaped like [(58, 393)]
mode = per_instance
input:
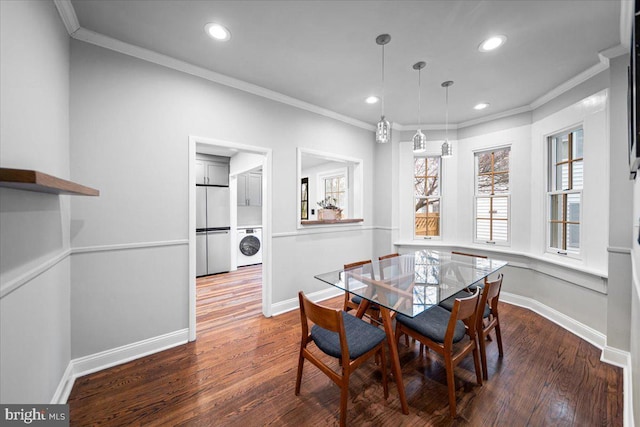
[(266, 221)]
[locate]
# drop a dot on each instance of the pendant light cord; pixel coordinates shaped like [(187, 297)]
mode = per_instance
[(446, 120), (382, 81), (419, 98)]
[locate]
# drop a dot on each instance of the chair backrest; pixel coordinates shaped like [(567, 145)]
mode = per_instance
[(386, 264), (365, 269), (466, 254), (490, 295), (463, 309), (325, 317)]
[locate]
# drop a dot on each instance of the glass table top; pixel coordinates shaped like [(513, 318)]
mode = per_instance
[(412, 283)]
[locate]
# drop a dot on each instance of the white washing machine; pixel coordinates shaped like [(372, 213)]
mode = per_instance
[(249, 246)]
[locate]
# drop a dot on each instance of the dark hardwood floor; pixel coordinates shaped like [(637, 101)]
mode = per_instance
[(241, 372)]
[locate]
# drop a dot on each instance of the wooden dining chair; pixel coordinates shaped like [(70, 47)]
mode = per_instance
[(474, 286), (488, 320), (347, 338), (439, 330), (351, 302), (385, 263)]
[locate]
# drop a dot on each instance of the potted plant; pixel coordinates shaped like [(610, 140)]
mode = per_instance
[(329, 210)]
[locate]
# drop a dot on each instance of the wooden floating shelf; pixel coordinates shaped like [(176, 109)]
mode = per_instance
[(332, 221), (30, 180)]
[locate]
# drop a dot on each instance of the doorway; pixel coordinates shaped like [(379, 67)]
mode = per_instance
[(230, 149)]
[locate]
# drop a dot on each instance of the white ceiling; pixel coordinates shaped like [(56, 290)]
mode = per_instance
[(324, 52)]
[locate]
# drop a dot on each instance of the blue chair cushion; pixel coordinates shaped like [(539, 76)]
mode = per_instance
[(432, 323), (357, 300), (448, 303), (361, 337)]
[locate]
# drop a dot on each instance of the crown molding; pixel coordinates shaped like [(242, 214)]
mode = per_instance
[(507, 113), (68, 15), (70, 20), (106, 42)]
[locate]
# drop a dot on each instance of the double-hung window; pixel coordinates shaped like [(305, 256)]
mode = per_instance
[(492, 196), (426, 172), (566, 173)]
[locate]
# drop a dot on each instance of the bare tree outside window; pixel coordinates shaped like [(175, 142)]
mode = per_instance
[(492, 196), (426, 192)]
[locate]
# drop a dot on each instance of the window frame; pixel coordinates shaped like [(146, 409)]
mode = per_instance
[(439, 197), (321, 177), (551, 175), (477, 196)]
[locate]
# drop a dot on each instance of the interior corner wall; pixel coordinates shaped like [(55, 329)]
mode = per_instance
[(130, 124), (385, 184), (34, 227), (620, 211)]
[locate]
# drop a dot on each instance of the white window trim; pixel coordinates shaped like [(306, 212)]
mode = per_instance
[(440, 197), (507, 242), (335, 173), (550, 177)]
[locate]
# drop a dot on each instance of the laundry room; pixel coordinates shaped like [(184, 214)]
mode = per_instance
[(229, 209)]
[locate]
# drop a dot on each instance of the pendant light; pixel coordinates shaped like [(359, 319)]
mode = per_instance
[(419, 140), (383, 129), (447, 149)]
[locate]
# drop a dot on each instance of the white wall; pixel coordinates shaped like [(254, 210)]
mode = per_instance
[(130, 122), (34, 227)]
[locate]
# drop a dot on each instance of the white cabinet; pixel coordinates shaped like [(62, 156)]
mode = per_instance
[(250, 189), (211, 173)]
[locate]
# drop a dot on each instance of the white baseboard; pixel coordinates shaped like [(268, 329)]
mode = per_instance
[(583, 331), (292, 304), (116, 356)]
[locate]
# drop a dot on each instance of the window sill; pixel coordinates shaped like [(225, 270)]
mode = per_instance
[(332, 221)]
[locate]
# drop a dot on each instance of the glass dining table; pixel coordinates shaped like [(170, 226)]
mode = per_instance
[(410, 284)]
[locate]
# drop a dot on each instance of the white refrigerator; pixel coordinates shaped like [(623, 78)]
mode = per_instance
[(213, 235)]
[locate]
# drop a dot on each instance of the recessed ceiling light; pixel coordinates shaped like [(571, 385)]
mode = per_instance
[(217, 31), (481, 106), (492, 43), (372, 100)]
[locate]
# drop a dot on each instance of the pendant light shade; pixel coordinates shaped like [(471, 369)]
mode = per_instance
[(447, 149), (419, 139), (383, 129)]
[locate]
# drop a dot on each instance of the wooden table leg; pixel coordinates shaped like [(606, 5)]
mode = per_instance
[(395, 358)]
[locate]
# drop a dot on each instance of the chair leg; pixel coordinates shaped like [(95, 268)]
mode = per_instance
[(483, 356), (383, 365), (448, 363), (344, 398), (476, 362), (299, 376), (499, 338)]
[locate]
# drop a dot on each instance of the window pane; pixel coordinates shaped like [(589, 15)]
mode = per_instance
[(578, 144), (420, 187), (556, 207), (573, 238), (327, 186), (484, 163), (427, 217), (578, 175), (562, 148), (342, 183), (432, 187), (419, 166), (573, 207), (482, 229), (562, 177), (484, 184), (556, 236), (501, 183), (433, 164), (501, 160), (500, 207), (500, 231), (483, 205)]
